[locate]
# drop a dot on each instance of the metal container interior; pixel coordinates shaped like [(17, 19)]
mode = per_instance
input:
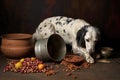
[(52, 48)]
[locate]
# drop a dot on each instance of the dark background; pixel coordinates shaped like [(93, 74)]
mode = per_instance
[(25, 15)]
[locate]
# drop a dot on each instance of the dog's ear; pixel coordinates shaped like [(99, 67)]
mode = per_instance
[(80, 36)]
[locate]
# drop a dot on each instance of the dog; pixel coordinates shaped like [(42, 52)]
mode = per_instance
[(76, 32)]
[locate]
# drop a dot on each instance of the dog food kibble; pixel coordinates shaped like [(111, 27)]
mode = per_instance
[(26, 65), (86, 65), (32, 65), (33, 58), (68, 74), (74, 62), (73, 58), (75, 77), (50, 72)]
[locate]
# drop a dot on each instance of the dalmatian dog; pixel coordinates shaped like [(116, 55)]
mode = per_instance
[(75, 32)]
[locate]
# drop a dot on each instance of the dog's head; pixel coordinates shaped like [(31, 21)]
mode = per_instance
[(87, 37)]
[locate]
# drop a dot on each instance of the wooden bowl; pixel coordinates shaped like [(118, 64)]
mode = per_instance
[(17, 45), (106, 52), (73, 58)]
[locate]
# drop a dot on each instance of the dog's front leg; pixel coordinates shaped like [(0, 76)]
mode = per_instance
[(83, 52), (86, 55)]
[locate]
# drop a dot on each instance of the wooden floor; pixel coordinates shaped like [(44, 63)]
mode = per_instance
[(97, 71)]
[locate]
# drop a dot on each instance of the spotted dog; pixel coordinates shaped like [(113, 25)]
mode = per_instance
[(75, 32)]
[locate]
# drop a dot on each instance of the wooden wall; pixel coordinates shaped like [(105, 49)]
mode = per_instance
[(25, 15)]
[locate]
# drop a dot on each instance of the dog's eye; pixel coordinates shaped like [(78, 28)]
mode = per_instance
[(87, 40)]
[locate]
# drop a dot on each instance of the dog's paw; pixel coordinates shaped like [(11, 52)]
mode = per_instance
[(90, 60)]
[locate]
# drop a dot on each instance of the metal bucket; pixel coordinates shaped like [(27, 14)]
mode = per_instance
[(52, 48)]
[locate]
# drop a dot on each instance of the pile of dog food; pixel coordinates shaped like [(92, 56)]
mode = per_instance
[(33, 65), (74, 62), (29, 65)]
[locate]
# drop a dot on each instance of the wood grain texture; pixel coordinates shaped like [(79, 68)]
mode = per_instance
[(25, 15)]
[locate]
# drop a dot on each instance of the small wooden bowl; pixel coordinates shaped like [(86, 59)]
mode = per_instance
[(106, 52), (17, 45)]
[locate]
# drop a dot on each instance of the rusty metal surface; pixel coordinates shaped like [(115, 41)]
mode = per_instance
[(97, 71)]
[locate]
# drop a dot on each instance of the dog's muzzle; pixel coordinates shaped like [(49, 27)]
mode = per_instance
[(91, 51)]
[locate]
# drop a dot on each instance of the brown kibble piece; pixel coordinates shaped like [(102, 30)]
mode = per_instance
[(50, 72), (75, 77), (68, 74), (86, 65), (57, 66)]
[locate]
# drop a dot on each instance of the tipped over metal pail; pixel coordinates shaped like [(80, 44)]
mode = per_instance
[(52, 48)]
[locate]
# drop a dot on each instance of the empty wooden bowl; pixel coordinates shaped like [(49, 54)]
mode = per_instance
[(17, 45), (106, 52)]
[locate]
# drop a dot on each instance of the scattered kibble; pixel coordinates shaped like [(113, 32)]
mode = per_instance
[(33, 58), (33, 65), (50, 72), (26, 65), (68, 74), (74, 62)]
